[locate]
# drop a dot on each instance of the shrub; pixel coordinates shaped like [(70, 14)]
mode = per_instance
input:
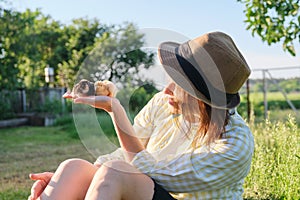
[(7, 102), (51, 106)]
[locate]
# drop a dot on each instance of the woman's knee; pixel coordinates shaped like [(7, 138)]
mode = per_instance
[(122, 178), (75, 170), (110, 172), (71, 179), (106, 182), (113, 172), (73, 163)]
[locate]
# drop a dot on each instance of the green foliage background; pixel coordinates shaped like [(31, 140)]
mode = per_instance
[(86, 48), (274, 21)]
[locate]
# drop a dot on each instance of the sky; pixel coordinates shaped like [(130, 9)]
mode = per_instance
[(185, 19)]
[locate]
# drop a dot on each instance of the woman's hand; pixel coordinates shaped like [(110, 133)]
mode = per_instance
[(41, 182), (102, 102), (68, 95)]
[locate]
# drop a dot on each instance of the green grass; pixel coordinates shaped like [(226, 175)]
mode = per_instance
[(275, 168), (274, 174), (278, 108), (259, 96), (25, 150)]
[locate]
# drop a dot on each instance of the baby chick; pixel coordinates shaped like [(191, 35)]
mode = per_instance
[(86, 88), (105, 88), (83, 88)]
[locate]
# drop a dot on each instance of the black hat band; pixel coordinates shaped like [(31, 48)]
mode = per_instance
[(199, 82)]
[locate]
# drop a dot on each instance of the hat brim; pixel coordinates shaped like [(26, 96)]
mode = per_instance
[(167, 56)]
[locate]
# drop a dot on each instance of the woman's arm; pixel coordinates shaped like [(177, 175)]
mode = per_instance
[(143, 126), (128, 141), (127, 138)]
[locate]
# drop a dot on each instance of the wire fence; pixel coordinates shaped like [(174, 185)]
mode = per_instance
[(272, 75), (43, 99)]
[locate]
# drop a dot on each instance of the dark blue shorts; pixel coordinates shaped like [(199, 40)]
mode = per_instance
[(160, 193)]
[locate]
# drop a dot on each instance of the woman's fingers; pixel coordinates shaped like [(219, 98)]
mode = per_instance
[(86, 100), (101, 102), (37, 189), (68, 95), (41, 182), (46, 176)]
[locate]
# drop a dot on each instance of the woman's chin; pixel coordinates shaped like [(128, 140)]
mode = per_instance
[(174, 107)]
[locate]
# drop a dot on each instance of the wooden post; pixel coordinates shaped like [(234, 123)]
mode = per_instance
[(265, 95), (248, 100), (63, 100), (23, 95)]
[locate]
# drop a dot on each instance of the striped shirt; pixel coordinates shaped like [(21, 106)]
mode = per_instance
[(217, 172)]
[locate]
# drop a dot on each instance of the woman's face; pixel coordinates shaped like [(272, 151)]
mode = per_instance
[(181, 102), (172, 91)]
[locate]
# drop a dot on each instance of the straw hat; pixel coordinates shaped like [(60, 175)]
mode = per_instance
[(209, 67)]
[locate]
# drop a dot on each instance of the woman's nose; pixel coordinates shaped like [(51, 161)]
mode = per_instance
[(169, 89)]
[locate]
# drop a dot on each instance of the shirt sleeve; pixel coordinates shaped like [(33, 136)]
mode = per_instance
[(227, 162), (116, 155), (144, 122)]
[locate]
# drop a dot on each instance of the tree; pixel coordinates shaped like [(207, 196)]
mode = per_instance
[(40, 41), (118, 56), (8, 67), (114, 53), (80, 38), (274, 21), (29, 42)]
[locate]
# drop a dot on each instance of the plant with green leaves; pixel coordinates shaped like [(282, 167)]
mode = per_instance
[(80, 38), (276, 162), (118, 56), (31, 41), (274, 21)]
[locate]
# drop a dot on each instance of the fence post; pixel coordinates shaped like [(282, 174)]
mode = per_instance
[(265, 85), (23, 95), (284, 94), (63, 101), (248, 100)]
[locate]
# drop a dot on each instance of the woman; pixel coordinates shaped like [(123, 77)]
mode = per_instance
[(188, 142)]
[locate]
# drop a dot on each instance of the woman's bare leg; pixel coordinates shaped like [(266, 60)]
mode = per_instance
[(70, 181), (116, 180)]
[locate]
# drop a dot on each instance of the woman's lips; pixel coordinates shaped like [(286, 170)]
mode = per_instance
[(172, 102)]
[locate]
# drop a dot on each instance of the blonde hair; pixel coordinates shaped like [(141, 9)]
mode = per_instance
[(212, 121)]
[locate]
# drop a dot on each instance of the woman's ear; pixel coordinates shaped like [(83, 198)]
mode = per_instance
[(169, 89)]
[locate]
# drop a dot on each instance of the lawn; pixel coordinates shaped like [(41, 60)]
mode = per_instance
[(278, 108), (34, 149), (275, 169), (271, 96), (274, 174)]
